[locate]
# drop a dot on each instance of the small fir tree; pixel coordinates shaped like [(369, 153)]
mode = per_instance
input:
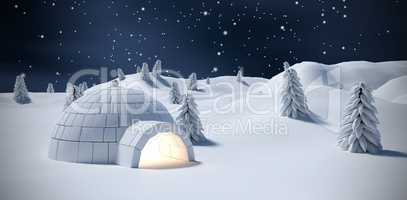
[(359, 132), (145, 73), (286, 65), (193, 83), (80, 90), (293, 100), (84, 86), (77, 91), (70, 94), (21, 95), (120, 74), (189, 122), (50, 88), (175, 94), (156, 71), (239, 76)]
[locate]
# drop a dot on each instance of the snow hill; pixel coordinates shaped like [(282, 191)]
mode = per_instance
[(255, 155), (394, 90), (347, 73)]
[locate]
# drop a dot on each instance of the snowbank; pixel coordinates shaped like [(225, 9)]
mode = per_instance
[(394, 90)]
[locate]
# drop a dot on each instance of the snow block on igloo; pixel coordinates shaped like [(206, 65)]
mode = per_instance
[(85, 152), (128, 156), (100, 153), (112, 152), (67, 151), (53, 149)]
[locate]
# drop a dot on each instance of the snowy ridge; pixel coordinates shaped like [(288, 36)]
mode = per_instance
[(346, 74), (394, 90)]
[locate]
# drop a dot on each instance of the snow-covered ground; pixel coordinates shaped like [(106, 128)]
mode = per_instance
[(256, 154)]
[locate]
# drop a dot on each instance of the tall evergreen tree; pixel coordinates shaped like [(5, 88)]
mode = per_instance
[(145, 73), (359, 132), (70, 94), (77, 91), (84, 86), (80, 90), (293, 100), (156, 71), (50, 88), (189, 122), (239, 75), (20, 90), (193, 82), (175, 94), (286, 65), (120, 74)]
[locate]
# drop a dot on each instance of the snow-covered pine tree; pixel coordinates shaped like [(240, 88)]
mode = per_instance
[(157, 68), (145, 73), (120, 74), (293, 100), (286, 65), (50, 88), (359, 132), (20, 90), (193, 83), (175, 94), (70, 94), (80, 90), (208, 81), (239, 75), (84, 86), (189, 122), (77, 91)]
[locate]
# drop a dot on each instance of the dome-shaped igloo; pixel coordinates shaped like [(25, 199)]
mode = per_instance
[(91, 127)]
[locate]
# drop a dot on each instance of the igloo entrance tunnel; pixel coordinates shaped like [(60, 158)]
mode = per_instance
[(114, 125)]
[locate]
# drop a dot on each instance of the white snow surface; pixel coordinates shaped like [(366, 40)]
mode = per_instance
[(289, 159)]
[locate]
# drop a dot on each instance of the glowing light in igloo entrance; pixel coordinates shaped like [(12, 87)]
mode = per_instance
[(164, 150)]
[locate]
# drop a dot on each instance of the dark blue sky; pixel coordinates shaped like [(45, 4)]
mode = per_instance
[(50, 40)]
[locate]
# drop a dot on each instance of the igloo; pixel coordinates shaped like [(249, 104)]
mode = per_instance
[(152, 144), (114, 125)]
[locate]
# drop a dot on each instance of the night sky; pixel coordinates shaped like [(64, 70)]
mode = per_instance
[(49, 40)]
